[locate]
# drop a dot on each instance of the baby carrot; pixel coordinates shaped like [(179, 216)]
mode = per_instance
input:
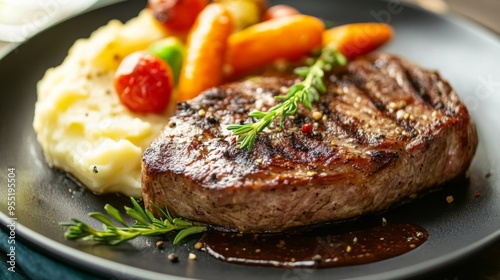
[(205, 49), (358, 38), (285, 37)]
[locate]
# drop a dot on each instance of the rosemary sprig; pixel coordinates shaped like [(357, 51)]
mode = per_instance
[(146, 224), (305, 92)]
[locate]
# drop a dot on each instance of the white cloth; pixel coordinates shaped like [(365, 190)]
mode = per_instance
[(21, 19)]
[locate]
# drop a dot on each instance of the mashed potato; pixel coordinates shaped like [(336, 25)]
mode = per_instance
[(81, 124)]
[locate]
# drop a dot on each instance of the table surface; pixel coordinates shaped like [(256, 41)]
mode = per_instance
[(486, 263)]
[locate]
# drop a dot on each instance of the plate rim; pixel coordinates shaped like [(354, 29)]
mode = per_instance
[(79, 259)]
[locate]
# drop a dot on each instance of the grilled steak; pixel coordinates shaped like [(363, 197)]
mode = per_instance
[(385, 131)]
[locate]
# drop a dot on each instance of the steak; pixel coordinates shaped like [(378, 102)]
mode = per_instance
[(385, 131)]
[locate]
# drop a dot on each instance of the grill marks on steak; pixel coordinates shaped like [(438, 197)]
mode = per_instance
[(389, 131)]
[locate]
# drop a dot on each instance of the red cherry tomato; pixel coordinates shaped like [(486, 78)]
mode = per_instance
[(144, 83), (278, 11), (177, 15)]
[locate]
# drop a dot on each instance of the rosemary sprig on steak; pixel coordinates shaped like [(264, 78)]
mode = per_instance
[(305, 92), (146, 224)]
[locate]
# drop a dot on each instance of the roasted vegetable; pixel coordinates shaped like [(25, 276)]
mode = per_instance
[(260, 44), (205, 49), (244, 12), (144, 83), (177, 15), (357, 38)]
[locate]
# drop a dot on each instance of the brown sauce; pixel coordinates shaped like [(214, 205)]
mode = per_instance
[(319, 248)]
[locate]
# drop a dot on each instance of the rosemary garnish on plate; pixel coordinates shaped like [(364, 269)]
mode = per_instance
[(305, 92), (146, 224)]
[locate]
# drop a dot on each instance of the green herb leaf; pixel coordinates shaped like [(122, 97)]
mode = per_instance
[(113, 212), (165, 213), (257, 114), (137, 216), (302, 71), (102, 218), (146, 224), (305, 92), (340, 59), (187, 232)]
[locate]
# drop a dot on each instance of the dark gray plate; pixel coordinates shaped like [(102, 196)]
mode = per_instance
[(465, 55)]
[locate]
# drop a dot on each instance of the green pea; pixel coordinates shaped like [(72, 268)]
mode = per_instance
[(170, 49)]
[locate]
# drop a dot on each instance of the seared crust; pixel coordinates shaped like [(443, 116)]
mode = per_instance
[(388, 131)]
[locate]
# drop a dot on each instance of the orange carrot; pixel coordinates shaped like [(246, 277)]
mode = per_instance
[(358, 38), (205, 49), (286, 37)]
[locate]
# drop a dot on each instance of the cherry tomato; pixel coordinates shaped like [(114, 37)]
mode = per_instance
[(278, 11), (144, 83), (177, 15)]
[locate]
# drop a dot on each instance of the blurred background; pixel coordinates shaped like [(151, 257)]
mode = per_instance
[(20, 19), (484, 12)]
